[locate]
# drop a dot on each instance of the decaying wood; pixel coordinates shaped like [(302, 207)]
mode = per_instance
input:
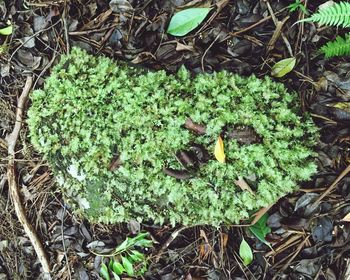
[(11, 140), (178, 174), (186, 159), (244, 136), (195, 127)]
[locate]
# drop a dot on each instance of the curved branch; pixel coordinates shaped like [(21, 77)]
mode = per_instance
[(11, 140)]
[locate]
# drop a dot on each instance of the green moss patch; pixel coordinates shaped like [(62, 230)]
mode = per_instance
[(125, 143)]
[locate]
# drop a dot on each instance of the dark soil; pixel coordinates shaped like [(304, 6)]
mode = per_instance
[(310, 238)]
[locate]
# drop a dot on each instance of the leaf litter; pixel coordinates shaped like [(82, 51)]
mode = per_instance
[(309, 239)]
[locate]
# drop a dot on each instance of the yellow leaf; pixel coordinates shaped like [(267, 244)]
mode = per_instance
[(219, 150)]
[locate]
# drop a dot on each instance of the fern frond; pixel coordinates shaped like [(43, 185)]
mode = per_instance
[(336, 15), (339, 47)]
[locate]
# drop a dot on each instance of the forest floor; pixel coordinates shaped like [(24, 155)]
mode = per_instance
[(310, 233)]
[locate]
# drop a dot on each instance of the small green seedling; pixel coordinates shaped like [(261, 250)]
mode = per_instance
[(245, 252), (260, 229), (126, 258), (298, 5)]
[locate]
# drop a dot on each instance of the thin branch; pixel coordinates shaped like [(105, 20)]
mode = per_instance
[(275, 20), (333, 185), (167, 243), (11, 140)]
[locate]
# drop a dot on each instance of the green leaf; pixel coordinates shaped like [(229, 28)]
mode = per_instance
[(128, 266), (104, 272), (339, 47), (260, 229), (6, 30), (185, 21), (123, 246), (245, 252), (117, 267), (336, 14), (297, 5), (136, 256), (110, 264), (116, 277), (283, 67), (144, 243), (141, 235)]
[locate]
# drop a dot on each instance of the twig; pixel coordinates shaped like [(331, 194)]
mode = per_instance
[(30, 37), (206, 51), (220, 5), (275, 20), (347, 271), (64, 243), (12, 180), (2, 182), (65, 27), (167, 243), (301, 16), (234, 34), (88, 32), (291, 258), (334, 184), (276, 34)]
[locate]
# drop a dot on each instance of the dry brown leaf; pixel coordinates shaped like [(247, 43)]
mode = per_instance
[(204, 249), (243, 185), (182, 47), (259, 214)]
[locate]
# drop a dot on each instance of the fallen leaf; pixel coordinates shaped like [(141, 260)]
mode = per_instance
[(40, 23), (223, 240), (345, 106), (322, 232), (283, 67), (346, 218), (245, 252), (6, 30), (219, 150), (185, 21), (257, 216), (204, 251), (182, 47), (120, 6)]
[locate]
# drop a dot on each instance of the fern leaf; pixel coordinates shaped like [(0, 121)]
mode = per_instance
[(336, 15), (339, 47)]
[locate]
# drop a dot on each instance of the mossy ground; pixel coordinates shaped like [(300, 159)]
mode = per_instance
[(93, 110)]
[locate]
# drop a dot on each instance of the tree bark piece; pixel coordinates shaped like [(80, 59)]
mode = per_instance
[(11, 140)]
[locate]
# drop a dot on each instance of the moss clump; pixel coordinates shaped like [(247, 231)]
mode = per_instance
[(109, 130)]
